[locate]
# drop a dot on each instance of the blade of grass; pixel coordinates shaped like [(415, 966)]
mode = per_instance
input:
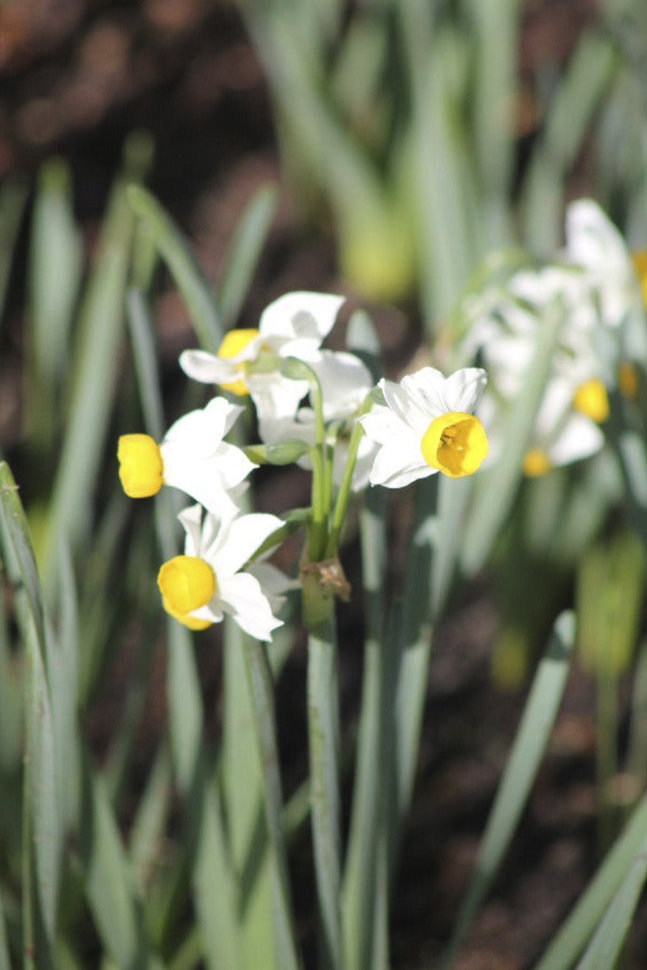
[(148, 826), (195, 289), (523, 763)]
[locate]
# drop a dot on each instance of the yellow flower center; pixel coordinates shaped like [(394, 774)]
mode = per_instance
[(627, 379), (591, 399), (639, 259), (140, 465), (186, 583), (234, 341), (454, 444), (535, 463)]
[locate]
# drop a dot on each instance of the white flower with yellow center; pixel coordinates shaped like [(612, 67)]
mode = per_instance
[(427, 426), (246, 363), (209, 580), (192, 457)]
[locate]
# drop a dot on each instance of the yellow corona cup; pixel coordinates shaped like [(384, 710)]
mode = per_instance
[(591, 400), (454, 444), (140, 465), (186, 583), (234, 341)]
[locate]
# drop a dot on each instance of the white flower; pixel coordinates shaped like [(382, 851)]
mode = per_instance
[(208, 581), (345, 383), (192, 457), (292, 326), (427, 426)]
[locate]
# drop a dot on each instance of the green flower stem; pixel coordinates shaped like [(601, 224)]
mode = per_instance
[(343, 494), (318, 526), (323, 731)]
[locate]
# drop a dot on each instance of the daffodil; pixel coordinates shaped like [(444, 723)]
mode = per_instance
[(212, 577), (345, 383), (248, 360), (426, 426), (192, 457)]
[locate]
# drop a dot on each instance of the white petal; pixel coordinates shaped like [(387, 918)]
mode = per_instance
[(345, 381), (464, 388), (207, 368), (243, 537), (395, 469), (190, 519), (381, 424), (578, 438), (427, 388), (242, 597), (408, 407), (301, 314)]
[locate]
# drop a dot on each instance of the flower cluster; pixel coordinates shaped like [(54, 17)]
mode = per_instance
[(594, 285), (315, 406)]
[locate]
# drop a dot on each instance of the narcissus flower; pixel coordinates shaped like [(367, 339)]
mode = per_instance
[(248, 360), (427, 426), (192, 457), (209, 580)]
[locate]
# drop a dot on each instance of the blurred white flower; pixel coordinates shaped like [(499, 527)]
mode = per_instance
[(192, 457), (294, 325), (427, 426), (209, 581)]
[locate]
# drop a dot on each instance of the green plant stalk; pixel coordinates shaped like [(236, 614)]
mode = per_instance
[(341, 502), (323, 739)]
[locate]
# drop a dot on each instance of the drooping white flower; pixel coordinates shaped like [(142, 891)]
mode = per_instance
[(427, 426), (345, 382), (294, 325), (192, 457), (209, 580)]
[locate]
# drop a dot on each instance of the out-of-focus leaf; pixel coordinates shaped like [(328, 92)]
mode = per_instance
[(243, 253), (190, 280), (13, 195)]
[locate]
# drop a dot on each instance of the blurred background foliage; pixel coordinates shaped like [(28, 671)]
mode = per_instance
[(381, 148)]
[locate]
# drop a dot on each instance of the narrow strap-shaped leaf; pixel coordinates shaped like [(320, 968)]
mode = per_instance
[(214, 885), (5, 961), (13, 196), (323, 743), (195, 289), (96, 366), (242, 786), (146, 365), (496, 486), (260, 683), (604, 948), (360, 885), (148, 827), (571, 938), (520, 771), (243, 253), (107, 878), (43, 825)]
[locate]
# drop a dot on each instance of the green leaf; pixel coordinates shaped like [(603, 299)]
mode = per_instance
[(243, 253), (189, 277), (585, 917), (13, 196), (606, 944), (521, 769)]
